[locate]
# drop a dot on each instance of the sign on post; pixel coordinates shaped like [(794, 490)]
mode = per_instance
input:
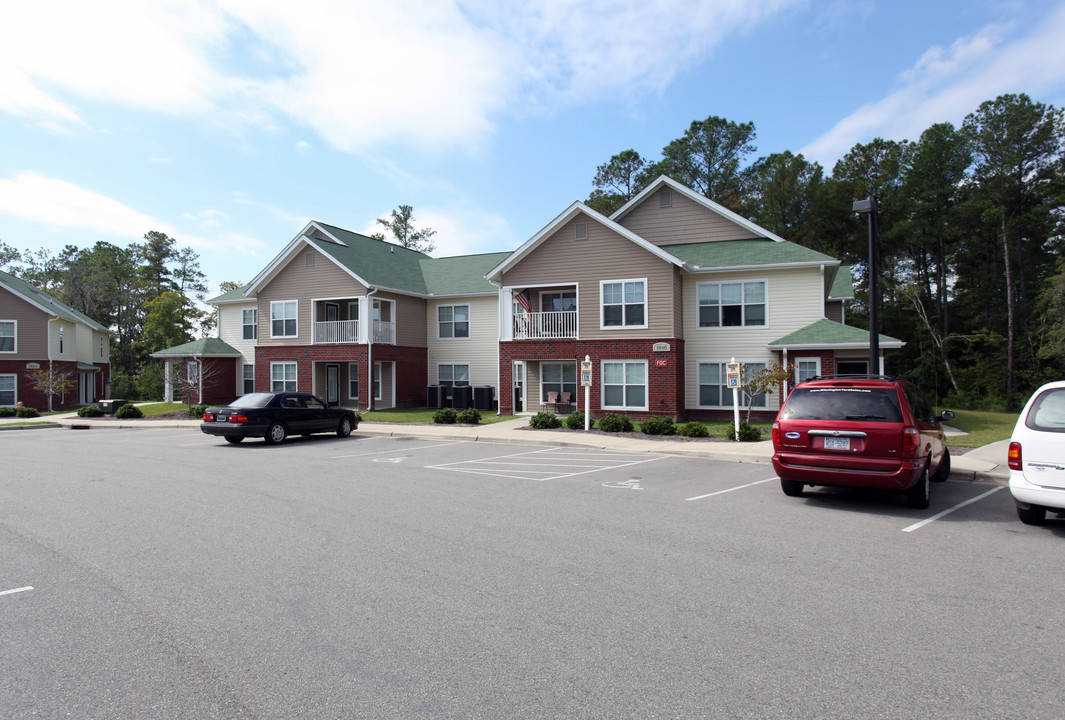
[(732, 375), (586, 381), (586, 373)]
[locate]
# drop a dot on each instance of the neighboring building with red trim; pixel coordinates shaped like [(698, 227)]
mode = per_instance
[(37, 332)]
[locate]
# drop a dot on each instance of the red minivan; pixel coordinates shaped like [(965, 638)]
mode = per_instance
[(861, 432)]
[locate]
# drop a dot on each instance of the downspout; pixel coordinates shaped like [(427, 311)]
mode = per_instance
[(499, 354), (369, 350)]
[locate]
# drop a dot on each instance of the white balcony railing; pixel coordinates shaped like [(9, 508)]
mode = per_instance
[(384, 332), (546, 325), (336, 331)]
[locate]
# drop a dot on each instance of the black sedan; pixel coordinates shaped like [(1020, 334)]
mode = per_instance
[(275, 416)]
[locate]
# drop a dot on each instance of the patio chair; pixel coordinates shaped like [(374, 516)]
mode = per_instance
[(564, 402), (552, 402)]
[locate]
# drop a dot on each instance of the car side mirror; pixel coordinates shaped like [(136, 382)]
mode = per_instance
[(945, 415)]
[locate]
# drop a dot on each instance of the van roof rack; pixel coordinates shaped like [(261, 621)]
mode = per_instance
[(851, 377)]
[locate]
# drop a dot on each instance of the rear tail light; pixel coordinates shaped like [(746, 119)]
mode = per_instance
[(1015, 456), (238, 418), (776, 433), (208, 417), (911, 440)]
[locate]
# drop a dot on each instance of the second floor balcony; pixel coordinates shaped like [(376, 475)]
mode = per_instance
[(556, 324), (331, 332)]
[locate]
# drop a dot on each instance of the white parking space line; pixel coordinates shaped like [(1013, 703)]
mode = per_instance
[(948, 511), (437, 444), (731, 489), (16, 590), (546, 464)]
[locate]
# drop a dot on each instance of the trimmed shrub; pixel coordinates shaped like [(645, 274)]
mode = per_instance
[(7, 412), (127, 411), (658, 426), (575, 421), (469, 416), (544, 421), (693, 429), (612, 422), (90, 411), (445, 416), (27, 412), (748, 432), (197, 411)]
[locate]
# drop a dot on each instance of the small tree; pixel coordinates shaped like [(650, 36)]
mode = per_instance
[(401, 225), (51, 382), (190, 383), (763, 381)]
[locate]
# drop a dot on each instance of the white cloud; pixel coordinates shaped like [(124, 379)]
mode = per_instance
[(433, 74), (946, 84), (57, 202)]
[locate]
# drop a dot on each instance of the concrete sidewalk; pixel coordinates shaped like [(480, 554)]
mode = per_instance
[(986, 464)]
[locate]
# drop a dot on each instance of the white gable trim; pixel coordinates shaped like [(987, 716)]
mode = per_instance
[(571, 212), (290, 251), (697, 198)]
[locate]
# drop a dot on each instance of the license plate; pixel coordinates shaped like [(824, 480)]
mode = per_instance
[(837, 443), (221, 418)]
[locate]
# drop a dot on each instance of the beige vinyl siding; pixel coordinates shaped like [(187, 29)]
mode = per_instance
[(408, 313), (685, 221), (479, 351), (84, 335), (96, 336), (792, 302), (70, 340), (31, 327), (231, 328), (562, 261), (297, 281)]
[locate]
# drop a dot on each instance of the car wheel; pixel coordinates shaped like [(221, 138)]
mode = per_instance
[(234, 439), (344, 427), (275, 434), (943, 471), (921, 493), (1032, 515), (791, 488)]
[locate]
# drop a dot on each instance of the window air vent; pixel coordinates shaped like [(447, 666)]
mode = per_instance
[(582, 231), (665, 198), (310, 258)]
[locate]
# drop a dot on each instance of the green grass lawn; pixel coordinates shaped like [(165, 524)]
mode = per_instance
[(162, 408), (983, 427)]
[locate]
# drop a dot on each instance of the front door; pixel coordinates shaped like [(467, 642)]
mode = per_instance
[(519, 385), (332, 384)]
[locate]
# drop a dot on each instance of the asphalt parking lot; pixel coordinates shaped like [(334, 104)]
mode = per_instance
[(165, 574)]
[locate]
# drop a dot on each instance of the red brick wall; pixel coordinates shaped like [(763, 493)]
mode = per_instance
[(665, 384), (26, 394), (411, 367)]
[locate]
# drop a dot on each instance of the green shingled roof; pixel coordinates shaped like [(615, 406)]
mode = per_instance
[(461, 275), (842, 284), (46, 301), (378, 262), (739, 253), (829, 333), (208, 347), (237, 294)]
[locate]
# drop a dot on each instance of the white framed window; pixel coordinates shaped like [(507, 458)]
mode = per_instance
[(101, 348), (353, 311), (452, 374), (192, 370), (247, 378), (558, 377), (8, 335), (624, 384), (8, 396), (282, 377), (732, 304), (807, 368), (353, 380), (60, 339), (283, 318), (453, 321), (624, 303), (250, 323), (715, 393)]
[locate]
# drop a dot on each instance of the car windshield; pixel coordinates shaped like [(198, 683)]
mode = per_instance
[(1048, 412), (843, 403), (253, 400)]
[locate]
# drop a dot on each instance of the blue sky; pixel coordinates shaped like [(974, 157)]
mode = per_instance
[(228, 124)]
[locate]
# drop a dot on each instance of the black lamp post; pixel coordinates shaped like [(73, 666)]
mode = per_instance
[(869, 206)]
